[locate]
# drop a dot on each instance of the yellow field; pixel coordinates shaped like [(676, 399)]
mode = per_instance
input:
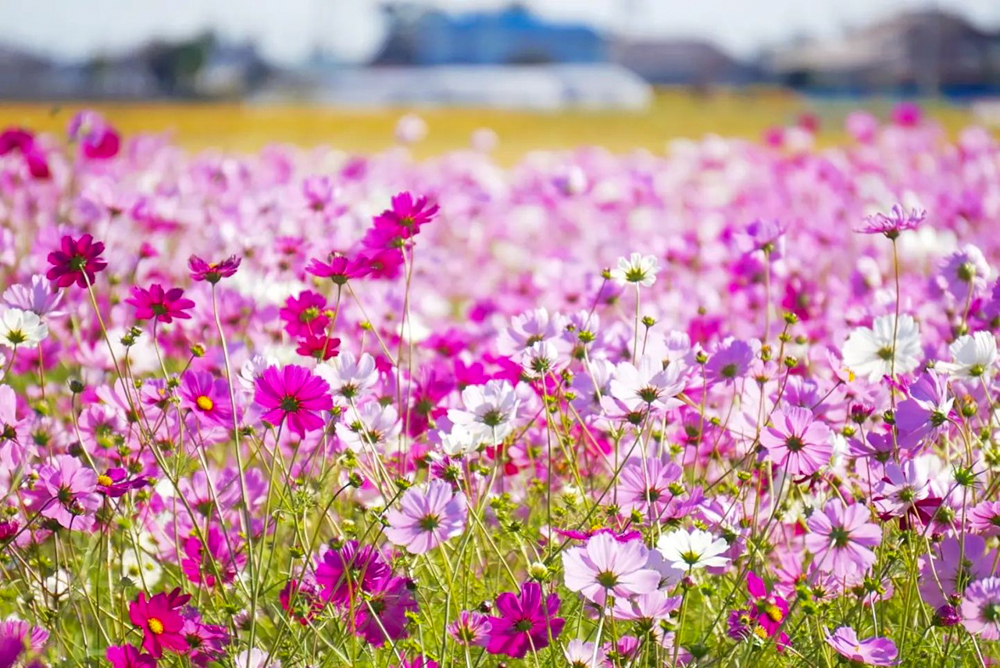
[(674, 113)]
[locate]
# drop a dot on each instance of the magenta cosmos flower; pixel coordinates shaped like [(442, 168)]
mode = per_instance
[(213, 272), (65, 492), (525, 622), (22, 141), (606, 566), (345, 573), (127, 656), (339, 269), (207, 397), (293, 395), (98, 139), (402, 221), (840, 538), (871, 652), (77, 261), (891, 224), (797, 443), (381, 615), (427, 517), (160, 621), (159, 304)]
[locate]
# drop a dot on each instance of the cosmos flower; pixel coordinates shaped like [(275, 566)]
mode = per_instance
[(160, 621), (870, 652), (869, 351), (972, 355), (689, 550), (65, 492), (489, 412), (840, 538), (158, 304), (207, 397), (604, 566), (426, 517), (293, 396), (213, 272), (797, 443), (893, 223), (471, 628), (981, 608), (525, 622), (637, 268), (22, 329), (77, 261)]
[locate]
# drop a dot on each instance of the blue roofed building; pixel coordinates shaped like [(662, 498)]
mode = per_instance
[(510, 36)]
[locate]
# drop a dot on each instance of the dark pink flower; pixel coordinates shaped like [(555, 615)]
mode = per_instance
[(293, 395), (339, 269), (381, 615), (213, 272), (305, 315), (345, 573), (127, 656), (160, 621), (98, 140), (22, 141), (115, 482), (209, 561), (401, 222), (321, 348), (159, 304), (525, 622), (77, 261)]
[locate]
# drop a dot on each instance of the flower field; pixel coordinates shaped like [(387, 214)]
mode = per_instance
[(733, 404)]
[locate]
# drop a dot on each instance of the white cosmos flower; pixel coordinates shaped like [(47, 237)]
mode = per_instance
[(647, 384), (370, 425), (253, 369), (459, 441), (869, 353), (540, 359), (528, 328), (349, 376), (22, 328), (143, 569), (637, 268), (688, 550), (489, 412), (972, 356)]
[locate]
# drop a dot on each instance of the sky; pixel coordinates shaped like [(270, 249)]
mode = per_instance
[(288, 31)]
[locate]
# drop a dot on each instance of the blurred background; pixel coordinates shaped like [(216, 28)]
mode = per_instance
[(539, 73)]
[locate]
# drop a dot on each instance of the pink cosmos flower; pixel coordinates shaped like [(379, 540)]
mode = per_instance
[(207, 641), (98, 140), (322, 348), (65, 492), (427, 517), (402, 221), (213, 272), (77, 261), (301, 599), (896, 221), (208, 562), (981, 608), (605, 566), (871, 652), (293, 395), (160, 621), (304, 315), (207, 397), (797, 443), (525, 622), (339, 269), (646, 485), (37, 297), (953, 564), (22, 141), (158, 304), (770, 610), (984, 518), (471, 628), (31, 637), (840, 538), (127, 656)]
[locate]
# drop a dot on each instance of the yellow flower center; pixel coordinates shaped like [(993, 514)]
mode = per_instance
[(104, 480), (155, 625), (774, 612), (204, 403), (760, 632)]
